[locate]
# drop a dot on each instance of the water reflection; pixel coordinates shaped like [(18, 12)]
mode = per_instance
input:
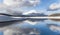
[(21, 31), (40, 25), (54, 27), (25, 26)]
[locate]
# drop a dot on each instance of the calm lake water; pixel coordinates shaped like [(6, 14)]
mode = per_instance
[(41, 26)]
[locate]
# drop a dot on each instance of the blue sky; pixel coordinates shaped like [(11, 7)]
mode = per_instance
[(1, 1), (43, 6)]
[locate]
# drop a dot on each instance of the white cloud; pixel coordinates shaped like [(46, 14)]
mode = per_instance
[(15, 6), (11, 2), (21, 2), (9, 10), (54, 6), (2, 6), (34, 2)]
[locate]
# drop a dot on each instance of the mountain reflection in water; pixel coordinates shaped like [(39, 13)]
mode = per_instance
[(41, 26)]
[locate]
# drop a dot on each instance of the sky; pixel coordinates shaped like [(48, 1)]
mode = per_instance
[(48, 6)]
